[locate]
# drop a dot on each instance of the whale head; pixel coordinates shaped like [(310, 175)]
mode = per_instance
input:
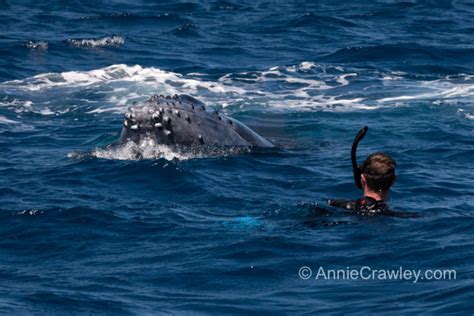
[(183, 120)]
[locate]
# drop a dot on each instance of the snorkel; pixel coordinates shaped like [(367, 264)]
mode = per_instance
[(355, 167)]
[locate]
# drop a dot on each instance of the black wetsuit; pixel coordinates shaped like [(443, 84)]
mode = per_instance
[(365, 205)]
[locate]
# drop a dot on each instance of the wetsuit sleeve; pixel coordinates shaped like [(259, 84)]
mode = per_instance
[(345, 204)]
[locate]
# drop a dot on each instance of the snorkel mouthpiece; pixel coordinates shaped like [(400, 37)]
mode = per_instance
[(356, 169)]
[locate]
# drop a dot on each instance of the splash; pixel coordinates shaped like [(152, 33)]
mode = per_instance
[(148, 149)]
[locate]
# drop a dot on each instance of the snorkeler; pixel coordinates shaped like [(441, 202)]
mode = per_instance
[(374, 177)]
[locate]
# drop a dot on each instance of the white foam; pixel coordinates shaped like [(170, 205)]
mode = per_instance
[(446, 89), (97, 42), (469, 116), (46, 111), (466, 115), (392, 77), (322, 102), (16, 103), (307, 65), (37, 45), (342, 79), (135, 83), (462, 91), (306, 86), (147, 149), (401, 98), (30, 212), (105, 110), (310, 84), (175, 83), (6, 121)]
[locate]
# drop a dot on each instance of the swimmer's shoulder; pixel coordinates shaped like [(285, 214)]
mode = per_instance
[(367, 206), (363, 206)]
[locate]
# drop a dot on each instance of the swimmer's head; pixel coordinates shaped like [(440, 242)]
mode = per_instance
[(378, 172)]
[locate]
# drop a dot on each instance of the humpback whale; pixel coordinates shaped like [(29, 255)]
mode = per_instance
[(184, 120)]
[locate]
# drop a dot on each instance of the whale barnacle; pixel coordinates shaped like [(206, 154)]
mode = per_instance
[(158, 125), (135, 127), (166, 119), (156, 116), (176, 112), (217, 114), (201, 140)]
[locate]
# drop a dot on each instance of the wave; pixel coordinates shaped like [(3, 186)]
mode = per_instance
[(437, 55), (186, 30), (307, 86), (119, 74), (139, 19), (97, 42), (227, 6), (310, 19)]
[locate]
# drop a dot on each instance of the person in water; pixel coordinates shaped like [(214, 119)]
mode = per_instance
[(374, 177), (377, 175)]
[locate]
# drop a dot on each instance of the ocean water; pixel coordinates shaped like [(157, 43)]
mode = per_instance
[(85, 229)]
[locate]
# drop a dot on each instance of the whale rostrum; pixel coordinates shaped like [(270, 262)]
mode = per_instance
[(184, 120)]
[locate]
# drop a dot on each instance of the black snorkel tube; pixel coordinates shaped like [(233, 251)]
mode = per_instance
[(355, 167)]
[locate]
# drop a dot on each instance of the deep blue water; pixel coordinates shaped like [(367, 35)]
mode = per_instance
[(84, 229)]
